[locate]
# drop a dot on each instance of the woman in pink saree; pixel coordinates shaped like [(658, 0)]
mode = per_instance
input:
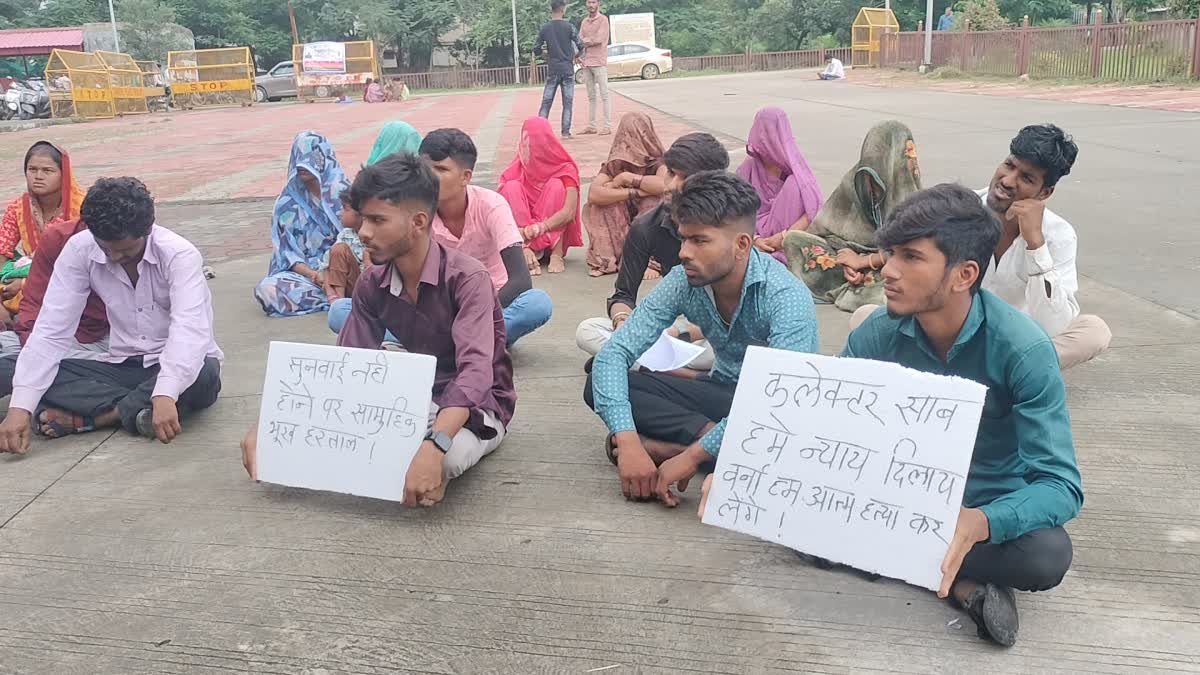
[(786, 186), (541, 185)]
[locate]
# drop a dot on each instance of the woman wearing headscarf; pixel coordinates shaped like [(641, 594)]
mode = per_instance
[(374, 92), (51, 196), (541, 185), (837, 256), (345, 261), (787, 188), (305, 225), (631, 182)]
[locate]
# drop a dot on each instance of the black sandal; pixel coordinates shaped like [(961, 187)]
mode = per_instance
[(610, 448)]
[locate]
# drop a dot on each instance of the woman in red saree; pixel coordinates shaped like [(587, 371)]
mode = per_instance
[(541, 186), (51, 196)]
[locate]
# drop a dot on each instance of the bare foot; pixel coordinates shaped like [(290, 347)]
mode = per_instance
[(530, 258), (434, 496), (661, 451), (536, 269), (557, 264), (596, 273), (651, 274)]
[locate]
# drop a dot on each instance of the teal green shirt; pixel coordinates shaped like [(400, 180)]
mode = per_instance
[(775, 310), (1023, 474)]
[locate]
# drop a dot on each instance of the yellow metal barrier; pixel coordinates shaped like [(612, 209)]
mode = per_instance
[(154, 86), (125, 79), (869, 27), (207, 78), (362, 63), (79, 85)]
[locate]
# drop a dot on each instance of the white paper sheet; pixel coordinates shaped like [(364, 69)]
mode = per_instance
[(856, 461), (341, 419)]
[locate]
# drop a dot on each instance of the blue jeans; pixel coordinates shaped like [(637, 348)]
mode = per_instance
[(527, 312), (567, 84)]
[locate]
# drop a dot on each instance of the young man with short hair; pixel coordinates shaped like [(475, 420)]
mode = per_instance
[(738, 296), (655, 235), (593, 65), (431, 300), (1024, 483), (834, 70), (559, 39), (480, 223), (163, 360)]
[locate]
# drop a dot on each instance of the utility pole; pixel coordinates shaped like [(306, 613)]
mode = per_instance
[(292, 18), (928, 60), (112, 18), (516, 48)]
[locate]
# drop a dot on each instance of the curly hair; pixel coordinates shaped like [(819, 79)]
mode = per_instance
[(118, 208), (1046, 146)]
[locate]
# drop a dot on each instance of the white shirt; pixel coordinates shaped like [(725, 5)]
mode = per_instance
[(835, 69), (1021, 276)]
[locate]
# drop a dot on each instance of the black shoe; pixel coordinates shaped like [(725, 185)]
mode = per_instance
[(994, 610)]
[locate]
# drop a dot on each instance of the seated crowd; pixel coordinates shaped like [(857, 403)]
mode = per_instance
[(111, 319)]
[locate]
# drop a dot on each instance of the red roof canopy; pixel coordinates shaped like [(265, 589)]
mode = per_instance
[(39, 41)]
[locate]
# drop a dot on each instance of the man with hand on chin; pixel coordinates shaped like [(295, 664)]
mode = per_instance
[(663, 427), (433, 300), (1023, 483)]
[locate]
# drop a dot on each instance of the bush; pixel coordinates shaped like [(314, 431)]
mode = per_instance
[(947, 73)]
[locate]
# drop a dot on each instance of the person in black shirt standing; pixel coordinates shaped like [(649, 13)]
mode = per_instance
[(560, 40), (654, 235)]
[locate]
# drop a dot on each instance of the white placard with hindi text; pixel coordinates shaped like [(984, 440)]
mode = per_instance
[(342, 419), (859, 462)]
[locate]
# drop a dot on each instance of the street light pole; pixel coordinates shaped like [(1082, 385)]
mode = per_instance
[(516, 49), (928, 60), (112, 18)]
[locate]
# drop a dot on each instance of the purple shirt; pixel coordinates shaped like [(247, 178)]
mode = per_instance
[(456, 319), (167, 318)]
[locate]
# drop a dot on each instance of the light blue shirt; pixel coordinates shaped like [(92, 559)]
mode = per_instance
[(775, 310)]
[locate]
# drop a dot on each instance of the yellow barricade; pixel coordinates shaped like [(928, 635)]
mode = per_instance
[(207, 78), (125, 81), (362, 64), (79, 85)]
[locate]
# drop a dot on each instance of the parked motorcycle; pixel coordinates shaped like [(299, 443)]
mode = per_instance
[(26, 100)]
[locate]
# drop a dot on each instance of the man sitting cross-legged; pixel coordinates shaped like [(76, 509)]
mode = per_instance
[(429, 299), (654, 235), (738, 296), (1023, 484), (163, 359)]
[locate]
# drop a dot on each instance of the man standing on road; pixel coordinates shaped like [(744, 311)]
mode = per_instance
[(560, 41), (594, 65)]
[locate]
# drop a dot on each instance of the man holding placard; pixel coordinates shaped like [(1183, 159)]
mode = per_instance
[(664, 427), (163, 359), (433, 300), (1024, 483)]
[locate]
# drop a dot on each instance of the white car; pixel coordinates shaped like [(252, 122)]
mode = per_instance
[(626, 59)]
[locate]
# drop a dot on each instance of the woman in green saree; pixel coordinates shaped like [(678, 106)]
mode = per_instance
[(837, 257)]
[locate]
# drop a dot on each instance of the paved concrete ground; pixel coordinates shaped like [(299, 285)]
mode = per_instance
[(124, 556)]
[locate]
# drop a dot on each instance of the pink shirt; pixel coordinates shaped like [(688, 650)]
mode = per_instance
[(594, 30), (490, 228), (167, 317)]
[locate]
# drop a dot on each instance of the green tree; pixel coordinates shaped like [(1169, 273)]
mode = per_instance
[(142, 34)]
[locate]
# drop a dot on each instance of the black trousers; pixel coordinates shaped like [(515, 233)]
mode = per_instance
[(673, 409), (90, 388), (8, 367), (1036, 561)]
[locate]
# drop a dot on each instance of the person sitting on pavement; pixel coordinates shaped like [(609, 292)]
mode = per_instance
[(631, 182), (834, 70), (1023, 483), (1033, 266), (663, 427), (790, 194), (91, 338), (345, 260), (836, 255), (163, 360), (430, 299), (542, 188), (373, 93), (52, 196), (305, 225), (479, 222), (655, 235)]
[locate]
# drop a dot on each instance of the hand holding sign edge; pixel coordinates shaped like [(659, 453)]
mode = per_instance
[(971, 529)]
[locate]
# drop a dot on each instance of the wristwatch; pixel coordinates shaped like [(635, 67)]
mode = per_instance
[(440, 440)]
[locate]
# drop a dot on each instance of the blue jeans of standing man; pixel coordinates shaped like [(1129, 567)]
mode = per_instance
[(567, 84), (525, 314)]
